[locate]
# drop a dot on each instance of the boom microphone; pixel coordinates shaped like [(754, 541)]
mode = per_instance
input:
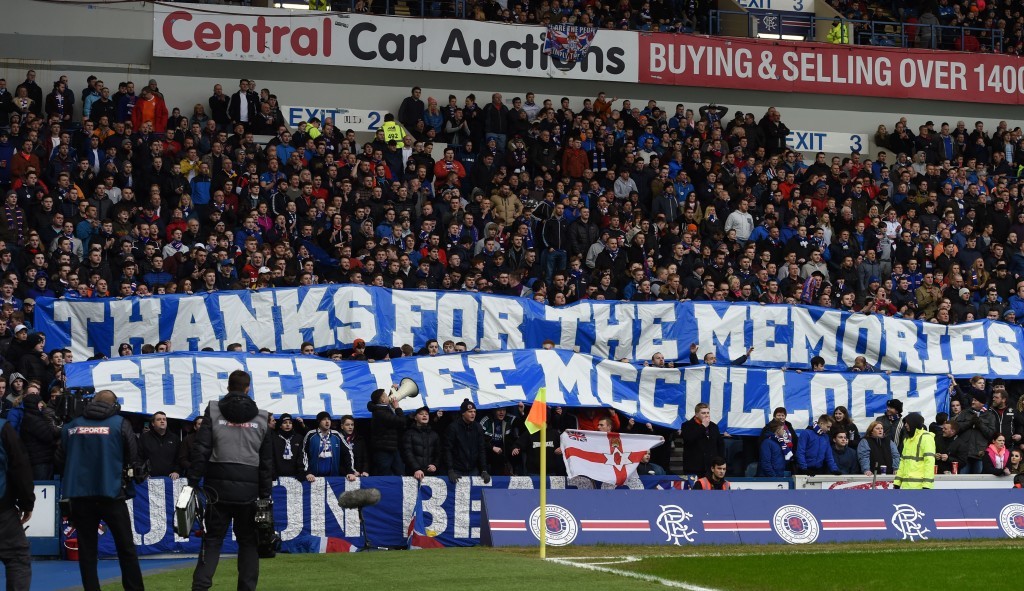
[(359, 498)]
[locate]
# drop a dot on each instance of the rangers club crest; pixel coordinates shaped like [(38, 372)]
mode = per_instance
[(1011, 519), (795, 525), (561, 526)]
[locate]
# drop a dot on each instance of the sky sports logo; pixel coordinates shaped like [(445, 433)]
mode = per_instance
[(83, 430)]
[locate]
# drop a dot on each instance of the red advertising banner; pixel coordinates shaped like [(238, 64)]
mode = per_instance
[(774, 66)]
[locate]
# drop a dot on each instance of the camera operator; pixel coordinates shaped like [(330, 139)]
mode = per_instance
[(95, 451), (233, 453)]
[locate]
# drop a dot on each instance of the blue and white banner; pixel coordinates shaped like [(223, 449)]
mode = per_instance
[(668, 517), (333, 316), (310, 520), (741, 398)]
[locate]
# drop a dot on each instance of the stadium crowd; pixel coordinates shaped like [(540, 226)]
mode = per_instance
[(114, 194)]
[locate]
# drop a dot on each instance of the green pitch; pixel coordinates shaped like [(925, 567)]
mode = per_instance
[(989, 565)]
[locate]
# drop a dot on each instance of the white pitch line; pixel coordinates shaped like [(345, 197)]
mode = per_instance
[(823, 550), (632, 575), (618, 560)]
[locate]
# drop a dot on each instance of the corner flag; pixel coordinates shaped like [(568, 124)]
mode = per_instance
[(538, 417)]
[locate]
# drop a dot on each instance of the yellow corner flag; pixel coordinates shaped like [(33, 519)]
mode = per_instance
[(538, 417)]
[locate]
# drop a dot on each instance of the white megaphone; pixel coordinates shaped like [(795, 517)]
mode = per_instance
[(406, 389)]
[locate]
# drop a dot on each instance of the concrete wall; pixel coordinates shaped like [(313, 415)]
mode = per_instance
[(115, 43)]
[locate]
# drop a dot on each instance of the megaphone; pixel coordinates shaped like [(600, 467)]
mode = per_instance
[(406, 389)]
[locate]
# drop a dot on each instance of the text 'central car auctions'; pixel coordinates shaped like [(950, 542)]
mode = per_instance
[(379, 42)]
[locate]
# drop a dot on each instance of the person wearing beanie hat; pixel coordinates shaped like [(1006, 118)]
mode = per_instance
[(466, 445), (387, 421), (892, 422), (322, 449), (288, 449)]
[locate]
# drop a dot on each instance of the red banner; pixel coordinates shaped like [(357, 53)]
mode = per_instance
[(774, 66)]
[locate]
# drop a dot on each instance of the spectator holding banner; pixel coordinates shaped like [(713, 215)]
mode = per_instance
[(710, 358)]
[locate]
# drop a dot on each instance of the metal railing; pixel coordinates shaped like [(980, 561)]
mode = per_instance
[(861, 32), (784, 25)]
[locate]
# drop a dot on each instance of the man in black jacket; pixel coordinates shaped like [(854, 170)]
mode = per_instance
[(702, 441), (237, 434), (287, 449), (466, 446), (241, 106), (583, 233), (39, 435), (555, 231), (387, 423), (160, 447), (421, 447), (17, 500)]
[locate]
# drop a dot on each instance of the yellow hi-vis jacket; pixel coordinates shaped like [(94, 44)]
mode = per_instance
[(839, 34), (917, 465), (393, 131)]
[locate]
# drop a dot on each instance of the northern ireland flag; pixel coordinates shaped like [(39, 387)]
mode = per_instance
[(605, 457)]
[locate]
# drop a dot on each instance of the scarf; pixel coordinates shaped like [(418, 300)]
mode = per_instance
[(999, 459), (786, 444)]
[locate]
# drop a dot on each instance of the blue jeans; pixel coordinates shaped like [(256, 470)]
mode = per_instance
[(557, 260), (971, 466), (387, 463)]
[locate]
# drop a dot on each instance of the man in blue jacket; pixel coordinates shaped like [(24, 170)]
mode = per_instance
[(322, 449), (95, 449), (814, 449)]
